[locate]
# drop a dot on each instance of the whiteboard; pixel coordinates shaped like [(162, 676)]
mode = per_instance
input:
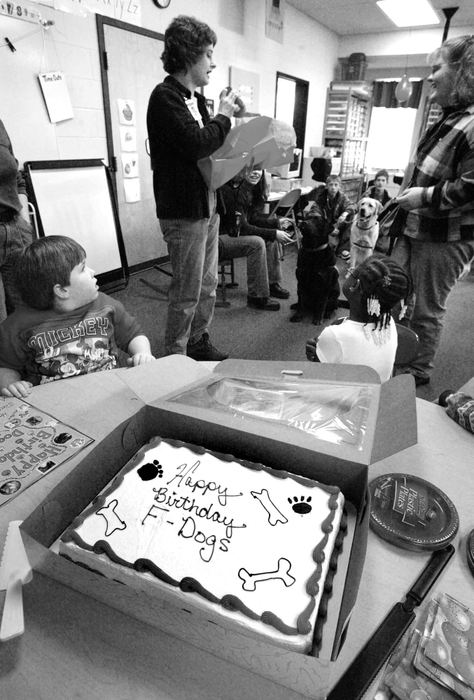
[(75, 199)]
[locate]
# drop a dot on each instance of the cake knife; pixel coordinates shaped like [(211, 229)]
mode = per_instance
[(15, 570), (360, 674)]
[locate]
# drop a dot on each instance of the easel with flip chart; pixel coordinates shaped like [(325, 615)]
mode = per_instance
[(75, 198)]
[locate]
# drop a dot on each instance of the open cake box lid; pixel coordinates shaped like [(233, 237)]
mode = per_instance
[(341, 411)]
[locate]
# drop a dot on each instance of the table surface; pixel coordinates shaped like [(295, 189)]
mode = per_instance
[(98, 653)]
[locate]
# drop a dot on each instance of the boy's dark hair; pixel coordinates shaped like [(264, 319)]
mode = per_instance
[(383, 279), (45, 262), (333, 178), (185, 40), (381, 173)]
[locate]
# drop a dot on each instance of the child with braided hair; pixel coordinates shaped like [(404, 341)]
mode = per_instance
[(368, 336)]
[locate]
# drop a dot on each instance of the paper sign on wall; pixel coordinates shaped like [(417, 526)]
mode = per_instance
[(128, 138), (132, 189), (56, 96), (130, 164)]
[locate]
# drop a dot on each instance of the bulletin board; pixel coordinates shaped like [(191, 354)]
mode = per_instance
[(75, 198)]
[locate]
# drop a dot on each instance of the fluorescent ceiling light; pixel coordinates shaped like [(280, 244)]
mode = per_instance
[(409, 13)]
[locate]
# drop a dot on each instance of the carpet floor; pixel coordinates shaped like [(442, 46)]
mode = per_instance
[(268, 335)]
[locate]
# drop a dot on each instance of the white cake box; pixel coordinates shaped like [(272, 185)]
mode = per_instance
[(132, 416)]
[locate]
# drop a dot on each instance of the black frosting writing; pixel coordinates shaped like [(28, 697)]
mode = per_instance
[(230, 601)]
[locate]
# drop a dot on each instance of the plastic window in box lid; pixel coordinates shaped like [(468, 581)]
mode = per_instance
[(333, 413)]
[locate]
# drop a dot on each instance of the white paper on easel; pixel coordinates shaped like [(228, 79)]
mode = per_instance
[(56, 96)]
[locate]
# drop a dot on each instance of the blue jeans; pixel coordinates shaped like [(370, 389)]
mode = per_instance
[(14, 237), (192, 247), (434, 269), (263, 261)]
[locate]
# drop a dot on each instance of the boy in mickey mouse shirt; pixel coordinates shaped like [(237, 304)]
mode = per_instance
[(66, 327)]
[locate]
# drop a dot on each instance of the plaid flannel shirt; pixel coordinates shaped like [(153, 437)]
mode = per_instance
[(444, 164)]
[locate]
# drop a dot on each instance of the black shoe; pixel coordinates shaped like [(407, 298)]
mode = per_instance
[(203, 351), (263, 303), (295, 306), (278, 292)]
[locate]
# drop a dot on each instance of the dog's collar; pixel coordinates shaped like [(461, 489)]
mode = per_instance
[(321, 247), (363, 247), (364, 228)]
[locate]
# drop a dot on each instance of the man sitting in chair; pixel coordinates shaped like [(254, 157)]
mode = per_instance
[(246, 231)]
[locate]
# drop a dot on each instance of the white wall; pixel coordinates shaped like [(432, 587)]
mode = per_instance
[(309, 52), (388, 52)]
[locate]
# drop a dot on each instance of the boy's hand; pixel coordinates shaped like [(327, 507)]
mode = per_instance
[(18, 390), (140, 358), (311, 350)]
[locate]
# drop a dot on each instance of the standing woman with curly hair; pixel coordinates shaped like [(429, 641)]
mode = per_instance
[(437, 244), (180, 132)]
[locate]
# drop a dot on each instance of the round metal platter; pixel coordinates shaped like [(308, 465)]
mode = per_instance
[(411, 513)]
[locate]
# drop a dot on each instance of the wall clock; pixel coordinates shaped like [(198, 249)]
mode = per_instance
[(162, 3)]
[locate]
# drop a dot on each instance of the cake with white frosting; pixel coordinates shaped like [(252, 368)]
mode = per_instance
[(245, 544)]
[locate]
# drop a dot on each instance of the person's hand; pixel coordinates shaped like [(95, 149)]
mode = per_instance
[(227, 105), (412, 198), (285, 223), (341, 219), (311, 350), (333, 239), (18, 390), (140, 358), (283, 237), (25, 214)]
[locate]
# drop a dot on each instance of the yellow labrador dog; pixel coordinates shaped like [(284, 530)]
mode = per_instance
[(364, 231)]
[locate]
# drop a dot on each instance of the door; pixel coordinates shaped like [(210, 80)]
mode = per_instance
[(131, 67), (291, 105)]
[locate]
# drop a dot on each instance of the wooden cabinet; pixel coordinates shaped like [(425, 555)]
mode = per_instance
[(346, 127)]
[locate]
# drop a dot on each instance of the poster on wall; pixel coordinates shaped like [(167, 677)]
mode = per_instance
[(131, 189), (126, 111), (56, 96), (274, 19), (129, 164), (128, 138)]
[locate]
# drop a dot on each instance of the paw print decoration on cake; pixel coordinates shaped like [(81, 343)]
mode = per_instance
[(150, 471), (300, 505)]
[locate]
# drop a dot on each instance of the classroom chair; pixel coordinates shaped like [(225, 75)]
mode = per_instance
[(226, 269), (286, 207)]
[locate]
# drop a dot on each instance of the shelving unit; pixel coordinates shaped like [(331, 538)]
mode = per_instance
[(346, 126)]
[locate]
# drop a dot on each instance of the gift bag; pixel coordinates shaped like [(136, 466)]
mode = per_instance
[(260, 142)]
